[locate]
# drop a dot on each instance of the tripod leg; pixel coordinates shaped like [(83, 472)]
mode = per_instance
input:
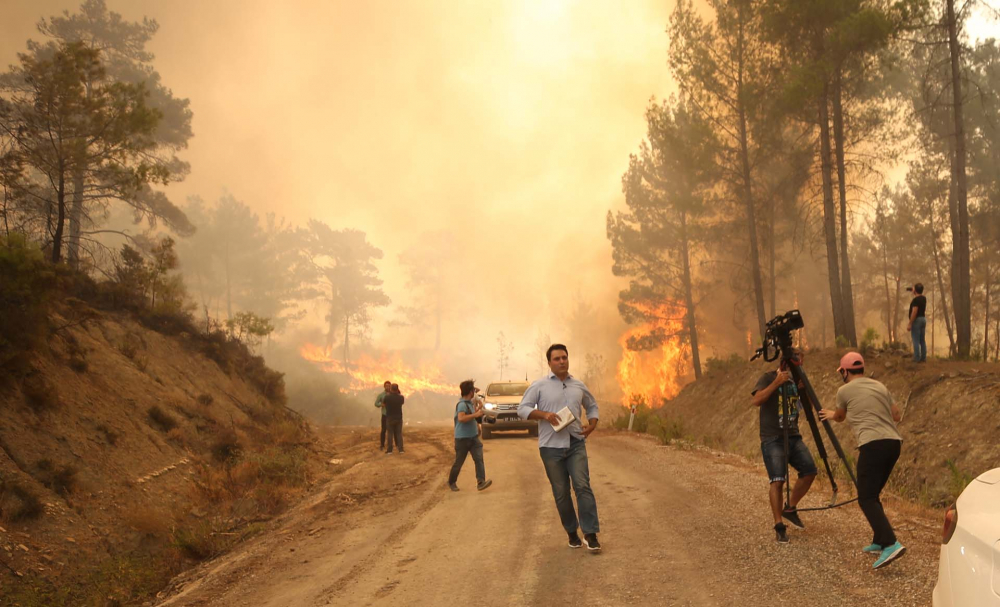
[(800, 375)]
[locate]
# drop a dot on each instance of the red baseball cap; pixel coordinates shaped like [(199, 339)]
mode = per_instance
[(851, 360)]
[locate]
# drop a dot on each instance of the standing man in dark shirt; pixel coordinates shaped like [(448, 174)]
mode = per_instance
[(381, 406), (918, 323), (777, 397), (394, 417)]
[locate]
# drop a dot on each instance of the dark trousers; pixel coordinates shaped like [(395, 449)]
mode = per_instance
[(563, 466), (463, 447), (875, 464), (394, 428), (381, 436)]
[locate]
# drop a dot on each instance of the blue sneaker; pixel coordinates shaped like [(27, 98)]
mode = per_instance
[(889, 554), (872, 548)]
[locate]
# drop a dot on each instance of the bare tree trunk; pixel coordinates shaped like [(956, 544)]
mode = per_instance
[(748, 201), (75, 220), (830, 220), (347, 338), (689, 299), (940, 280), (847, 290), (933, 321), (961, 282), (57, 236), (986, 324), (771, 258)]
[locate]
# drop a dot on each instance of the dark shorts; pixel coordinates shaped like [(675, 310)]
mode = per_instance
[(798, 458)]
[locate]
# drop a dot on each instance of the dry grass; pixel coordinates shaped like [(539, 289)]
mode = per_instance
[(39, 393), (160, 419), (18, 502)]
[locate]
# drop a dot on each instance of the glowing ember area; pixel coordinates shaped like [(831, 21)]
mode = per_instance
[(368, 373), (659, 373)]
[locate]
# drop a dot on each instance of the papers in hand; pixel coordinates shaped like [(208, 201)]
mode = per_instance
[(566, 417)]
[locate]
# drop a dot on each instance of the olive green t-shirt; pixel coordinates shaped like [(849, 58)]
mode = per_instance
[(869, 410)]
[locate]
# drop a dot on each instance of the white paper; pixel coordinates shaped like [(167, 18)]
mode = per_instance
[(566, 417)]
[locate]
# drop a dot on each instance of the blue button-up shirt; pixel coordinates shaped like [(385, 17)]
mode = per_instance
[(552, 394)]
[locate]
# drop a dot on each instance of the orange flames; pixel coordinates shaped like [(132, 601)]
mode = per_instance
[(368, 373), (657, 374)]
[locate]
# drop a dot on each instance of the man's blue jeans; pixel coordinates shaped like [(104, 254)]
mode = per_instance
[(561, 466), (919, 343)]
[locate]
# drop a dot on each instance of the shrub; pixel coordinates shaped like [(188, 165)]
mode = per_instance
[(733, 361), (842, 342), (200, 541), (130, 345), (226, 446), (959, 480), (147, 521), (160, 419), (39, 393), (205, 399), (109, 435), (28, 285), (18, 503), (869, 339), (61, 479)]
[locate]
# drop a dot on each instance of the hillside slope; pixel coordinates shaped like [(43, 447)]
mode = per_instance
[(951, 413), (127, 454)]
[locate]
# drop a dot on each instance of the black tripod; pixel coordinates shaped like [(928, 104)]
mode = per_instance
[(778, 340)]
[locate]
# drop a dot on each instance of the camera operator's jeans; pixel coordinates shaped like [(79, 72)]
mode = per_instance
[(463, 447), (561, 466), (919, 343)]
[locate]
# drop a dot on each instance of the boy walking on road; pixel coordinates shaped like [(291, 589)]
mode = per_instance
[(564, 453), (872, 413), (467, 437)]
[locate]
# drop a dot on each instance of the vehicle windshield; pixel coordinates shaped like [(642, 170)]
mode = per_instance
[(511, 389)]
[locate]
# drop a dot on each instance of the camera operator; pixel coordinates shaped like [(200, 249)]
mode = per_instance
[(872, 413), (777, 397)]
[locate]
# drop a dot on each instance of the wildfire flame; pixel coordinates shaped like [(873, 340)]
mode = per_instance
[(368, 373), (657, 374)]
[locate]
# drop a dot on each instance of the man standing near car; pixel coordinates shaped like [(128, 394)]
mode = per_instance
[(467, 416), (380, 404), (777, 397), (564, 453), (873, 415)]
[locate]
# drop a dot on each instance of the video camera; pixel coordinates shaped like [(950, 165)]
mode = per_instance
[(778, 336)]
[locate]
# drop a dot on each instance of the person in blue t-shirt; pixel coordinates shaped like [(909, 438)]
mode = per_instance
[(467, 436)]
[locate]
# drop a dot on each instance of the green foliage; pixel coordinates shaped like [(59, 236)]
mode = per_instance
[(843, 342), (160, 419), (28, 285), (722, 365), (249, 329), (870, 339)]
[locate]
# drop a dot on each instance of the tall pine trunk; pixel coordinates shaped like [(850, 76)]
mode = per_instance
[(748, 201), (940, 279), (76, 219), (830, 218), (57, 235), (847, 291), (961, 282), (689, 299)]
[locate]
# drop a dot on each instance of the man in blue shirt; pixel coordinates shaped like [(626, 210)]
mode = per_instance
[(564, 453), (467, 437)]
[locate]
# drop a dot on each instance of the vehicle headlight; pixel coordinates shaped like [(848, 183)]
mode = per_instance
[(490, 406)]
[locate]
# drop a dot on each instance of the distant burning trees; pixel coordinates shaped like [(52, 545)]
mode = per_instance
[(655, 241)]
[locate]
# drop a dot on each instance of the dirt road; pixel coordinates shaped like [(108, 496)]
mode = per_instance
[(679, 526)]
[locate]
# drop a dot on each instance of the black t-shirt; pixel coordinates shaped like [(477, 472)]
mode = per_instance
[(771, 412), (920, 303), (393, 405)]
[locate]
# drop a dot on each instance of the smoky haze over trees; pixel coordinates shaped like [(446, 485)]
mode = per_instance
[(827, 138)]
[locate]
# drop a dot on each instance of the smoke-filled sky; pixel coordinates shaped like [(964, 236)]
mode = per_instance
[(506, 125), (501, 127)]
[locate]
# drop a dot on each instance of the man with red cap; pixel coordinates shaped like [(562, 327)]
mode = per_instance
[(872, 413)]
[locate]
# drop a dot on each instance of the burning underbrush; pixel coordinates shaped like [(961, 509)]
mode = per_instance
[(656, 360)]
